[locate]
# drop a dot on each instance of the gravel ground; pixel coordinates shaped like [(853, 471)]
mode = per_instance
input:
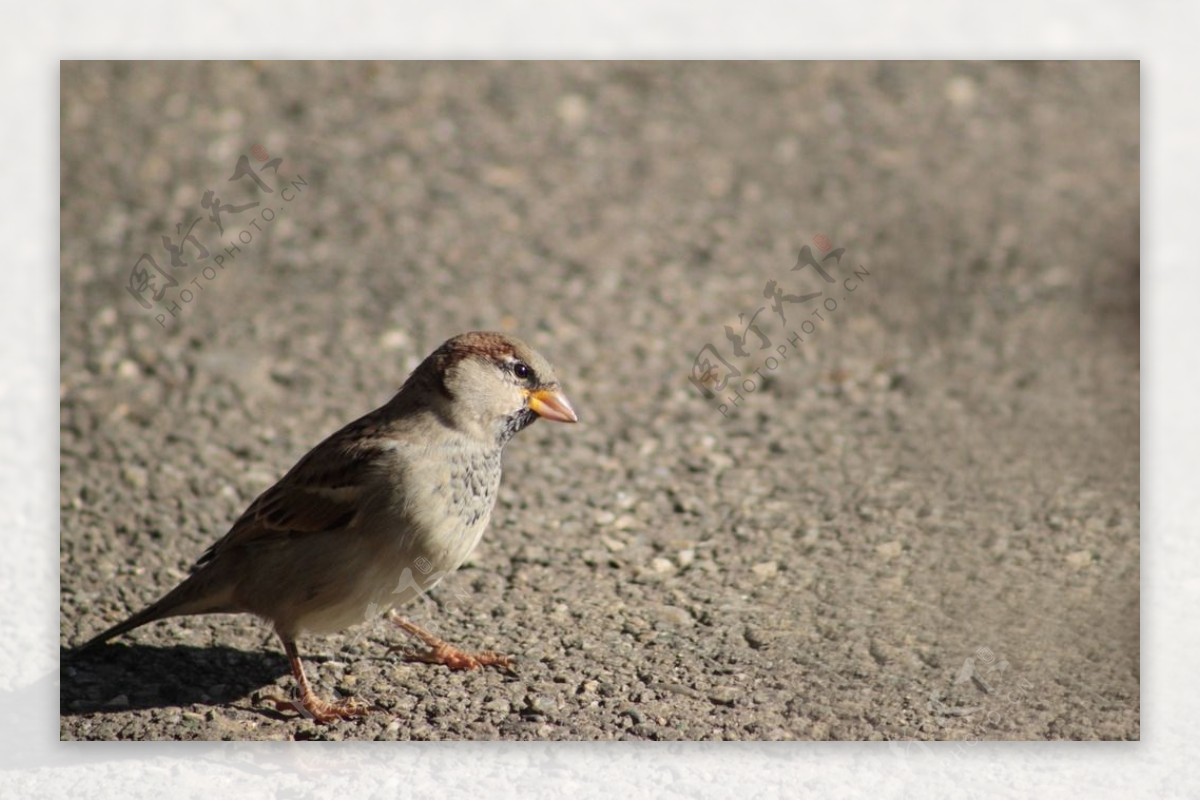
[(919, 521)]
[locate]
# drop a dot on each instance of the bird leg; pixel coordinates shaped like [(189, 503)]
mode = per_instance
[(310, 704), (441, 652)]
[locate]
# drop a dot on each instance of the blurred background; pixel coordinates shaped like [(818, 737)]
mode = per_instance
[(923, 523)]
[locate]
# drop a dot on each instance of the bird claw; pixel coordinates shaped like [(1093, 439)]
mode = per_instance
[(441, 652), (322, 711), (454, 658)]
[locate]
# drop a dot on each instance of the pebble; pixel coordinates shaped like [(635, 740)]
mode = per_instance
[(135, 476), (625, 522), (572, 109), (1079, 559), (539, 705), (765, 569), (960, 91), (889, 550), (499, 705), (724, 696), (675, 615), (394, 339), (755, 637)]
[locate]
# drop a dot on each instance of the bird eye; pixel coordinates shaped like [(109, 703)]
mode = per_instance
[(522, 371)]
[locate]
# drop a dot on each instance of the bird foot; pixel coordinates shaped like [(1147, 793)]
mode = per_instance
[(310, 706), (441, 652), (456, 659)]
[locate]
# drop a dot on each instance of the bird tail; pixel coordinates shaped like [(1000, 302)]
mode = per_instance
[(193, 597)]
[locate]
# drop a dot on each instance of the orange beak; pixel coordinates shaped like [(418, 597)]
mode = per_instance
[(552, 405)]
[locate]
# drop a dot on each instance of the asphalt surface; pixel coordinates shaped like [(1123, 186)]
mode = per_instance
[(920, 519)]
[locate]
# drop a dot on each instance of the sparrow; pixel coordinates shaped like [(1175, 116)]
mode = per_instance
[(378, 513)]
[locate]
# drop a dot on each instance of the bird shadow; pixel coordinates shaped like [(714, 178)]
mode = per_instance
[(122, 677)]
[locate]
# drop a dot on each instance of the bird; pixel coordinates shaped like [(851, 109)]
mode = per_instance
[(377, 513)]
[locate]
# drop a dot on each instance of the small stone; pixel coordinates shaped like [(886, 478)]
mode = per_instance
[(755, 637), (612, 543), (724, 696), (572, 109), (604, 517), (675, 615), (499, 705), (1079, 559), (395, 339), (625, 522), (889, 550), (686, 557), (135, 476), (660, 565), (394, 726), (960, 91), (765, 569), (500, 176), (719, 461), (539, 705)]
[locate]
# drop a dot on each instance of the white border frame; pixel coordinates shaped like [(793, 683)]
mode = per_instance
[(1161, 34)]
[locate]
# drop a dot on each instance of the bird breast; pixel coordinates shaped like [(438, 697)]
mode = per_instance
[(449, 500), (437, 515)]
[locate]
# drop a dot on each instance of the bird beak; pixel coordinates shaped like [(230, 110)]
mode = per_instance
[(552, 405)]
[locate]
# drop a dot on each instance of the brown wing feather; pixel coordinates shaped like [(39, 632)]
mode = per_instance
[(320, 493)]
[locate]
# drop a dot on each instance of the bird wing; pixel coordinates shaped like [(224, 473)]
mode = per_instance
[(323, 492)]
